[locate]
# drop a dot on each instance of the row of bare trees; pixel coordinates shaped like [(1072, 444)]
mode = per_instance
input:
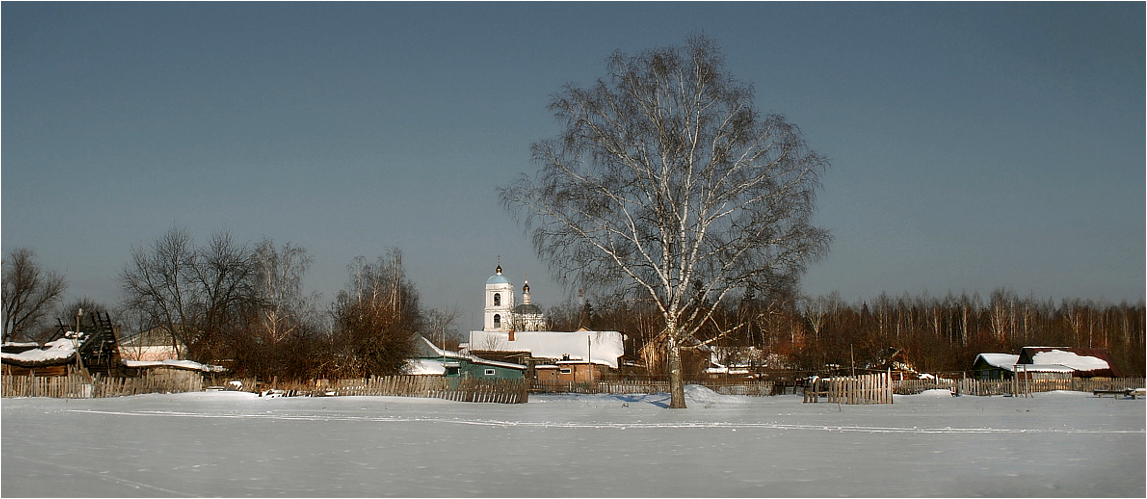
[(244, 307), (240, 305), (938, 334)]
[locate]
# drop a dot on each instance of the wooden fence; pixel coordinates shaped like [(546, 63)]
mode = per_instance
[(461, 390), (1018, 386), (77, 385), (864, 389), (80, 386), (631, 386)]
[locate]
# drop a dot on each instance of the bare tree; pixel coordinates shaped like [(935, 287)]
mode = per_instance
[(29, 293), (438, 327), (279, 288), (221, 278), (665, 175), (199, 296), (155, 283)]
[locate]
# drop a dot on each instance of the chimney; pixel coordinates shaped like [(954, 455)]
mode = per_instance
[(511, 335)]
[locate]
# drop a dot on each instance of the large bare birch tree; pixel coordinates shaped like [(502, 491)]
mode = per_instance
[(666, 182)]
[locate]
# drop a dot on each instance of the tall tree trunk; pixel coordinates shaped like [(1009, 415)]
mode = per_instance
[(676, 373)]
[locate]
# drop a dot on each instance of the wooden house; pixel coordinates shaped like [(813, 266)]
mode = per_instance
[(155, 344), (597, 351), (434, 361)]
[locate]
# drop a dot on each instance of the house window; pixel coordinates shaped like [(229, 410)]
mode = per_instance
[(497, 299), (489, 372), (497, 320), (566, 370)]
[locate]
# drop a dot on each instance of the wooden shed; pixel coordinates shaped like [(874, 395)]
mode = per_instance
[(994, 366), (95, 345), (570, 371)]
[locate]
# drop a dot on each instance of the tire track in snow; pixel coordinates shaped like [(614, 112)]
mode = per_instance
[(619, 426)]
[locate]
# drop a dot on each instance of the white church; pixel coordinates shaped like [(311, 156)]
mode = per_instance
[(517, 333)]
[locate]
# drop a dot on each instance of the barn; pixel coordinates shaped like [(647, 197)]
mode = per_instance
[(1082, 362)]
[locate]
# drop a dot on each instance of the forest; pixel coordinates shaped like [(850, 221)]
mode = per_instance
[(937, 334), (243, 306)]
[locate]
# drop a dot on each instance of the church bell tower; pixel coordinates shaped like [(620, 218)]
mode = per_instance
[(499, 302)]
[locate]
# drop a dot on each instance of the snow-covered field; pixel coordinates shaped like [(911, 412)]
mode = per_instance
[(238, 444)]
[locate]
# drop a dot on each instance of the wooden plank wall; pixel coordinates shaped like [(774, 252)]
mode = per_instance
[(863, 389)]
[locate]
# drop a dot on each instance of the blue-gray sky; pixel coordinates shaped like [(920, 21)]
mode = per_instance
[(974, 145)]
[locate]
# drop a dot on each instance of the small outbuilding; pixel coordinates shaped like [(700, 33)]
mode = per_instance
[(988, 366)]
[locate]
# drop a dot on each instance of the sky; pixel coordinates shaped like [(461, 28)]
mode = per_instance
[(974, 146)]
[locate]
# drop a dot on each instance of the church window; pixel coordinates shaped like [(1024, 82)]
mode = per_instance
[(497, 299), (497, 319)]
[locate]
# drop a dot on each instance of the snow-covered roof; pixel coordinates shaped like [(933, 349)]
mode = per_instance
[(1005, 361), (181, 364), (602, 347), (429, 347), (52, 351), (425, 367), (1046, 368), (1070, 359)]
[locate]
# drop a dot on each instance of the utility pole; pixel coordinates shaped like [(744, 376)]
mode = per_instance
[(76, 340), (852, 355), (589, 355)]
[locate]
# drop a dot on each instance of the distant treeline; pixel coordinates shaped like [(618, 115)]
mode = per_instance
[(937, 334)]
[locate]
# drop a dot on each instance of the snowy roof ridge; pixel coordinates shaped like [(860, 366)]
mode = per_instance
[(181, 364), (52, 352), (470, 357), (604, 347), (1000, 360)]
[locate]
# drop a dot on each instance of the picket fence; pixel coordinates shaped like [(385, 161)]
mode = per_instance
[(80, 386), (864, 389), (77, 385)]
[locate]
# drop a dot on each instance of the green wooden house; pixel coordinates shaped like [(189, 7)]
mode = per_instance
[(434, 361)]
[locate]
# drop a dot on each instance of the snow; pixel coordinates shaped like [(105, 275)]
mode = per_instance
[(61, 349), (1058, 444), (1004, 361), (606, 346), (183, 364), (1070, 359), (19, 344), (425, 367)]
